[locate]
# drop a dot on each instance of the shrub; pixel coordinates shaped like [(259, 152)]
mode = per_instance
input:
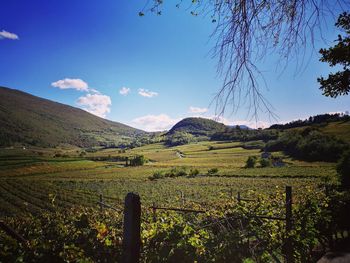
[(157, 175), (194, 172), (251, 161), (174, 172), (213, 171), (343, 169), (178, 171), (265, 162), (138, 160)]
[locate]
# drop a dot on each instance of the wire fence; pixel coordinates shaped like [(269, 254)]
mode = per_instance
[(226, 224)]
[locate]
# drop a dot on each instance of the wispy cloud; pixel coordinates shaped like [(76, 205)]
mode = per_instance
[(151, 123), (97, 104), (124, 91), (197, 110), (8, 35), (94, 101), (68, 83), (146, 93)]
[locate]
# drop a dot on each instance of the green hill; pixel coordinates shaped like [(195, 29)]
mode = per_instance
[(340, 129), (336, 124), (197, 127), (27, 119)]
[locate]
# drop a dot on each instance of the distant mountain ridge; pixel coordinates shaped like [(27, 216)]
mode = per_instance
[(27, 119), (242, 127)]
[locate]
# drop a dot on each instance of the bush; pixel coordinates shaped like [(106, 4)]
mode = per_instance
[(178, 171), (138, 160), (194, 172), (265, 162), (251, 161), (343, 169), (174, 172), (213, 171), (157, 175)]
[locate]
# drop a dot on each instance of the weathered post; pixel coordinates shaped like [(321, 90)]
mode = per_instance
[(132, 229), (289, 225), (154, 212), (239, 197), (231, 193)]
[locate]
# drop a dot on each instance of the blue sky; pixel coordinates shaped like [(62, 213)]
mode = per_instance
[(85, 54)]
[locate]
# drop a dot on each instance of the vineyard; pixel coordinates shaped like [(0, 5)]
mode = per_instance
[(50, 197)]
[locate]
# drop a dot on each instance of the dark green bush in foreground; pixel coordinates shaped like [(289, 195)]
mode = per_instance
[(343, 169)]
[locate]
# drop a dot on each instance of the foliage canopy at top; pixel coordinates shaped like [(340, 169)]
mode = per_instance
[(338, 83)]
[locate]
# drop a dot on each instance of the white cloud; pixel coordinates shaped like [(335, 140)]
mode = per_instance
[(150, 123), (146, 93), (197, 110), (338, 112), (67, 83), (94, 91), (8, 35), (96, 104), (124, 91)]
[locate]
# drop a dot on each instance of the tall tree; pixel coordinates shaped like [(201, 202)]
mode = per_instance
[(338, 83), (247, 31)]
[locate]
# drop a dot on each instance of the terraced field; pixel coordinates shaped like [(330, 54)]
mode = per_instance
[(32, 180)]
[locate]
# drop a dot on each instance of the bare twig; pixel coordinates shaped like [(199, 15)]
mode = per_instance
[(248, 31)]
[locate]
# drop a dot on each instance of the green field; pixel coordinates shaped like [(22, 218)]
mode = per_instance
[(31, 179)]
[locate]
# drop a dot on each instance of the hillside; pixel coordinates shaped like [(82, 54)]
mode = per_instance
[(197, 127), (27, 119), (336, 124), (339, 129)]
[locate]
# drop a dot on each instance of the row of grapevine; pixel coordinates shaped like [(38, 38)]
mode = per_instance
[(226, 232)]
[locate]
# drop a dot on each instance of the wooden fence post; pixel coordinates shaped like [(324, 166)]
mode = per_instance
[(132, 229), (239, 197), (154, 212), (289, 225)]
